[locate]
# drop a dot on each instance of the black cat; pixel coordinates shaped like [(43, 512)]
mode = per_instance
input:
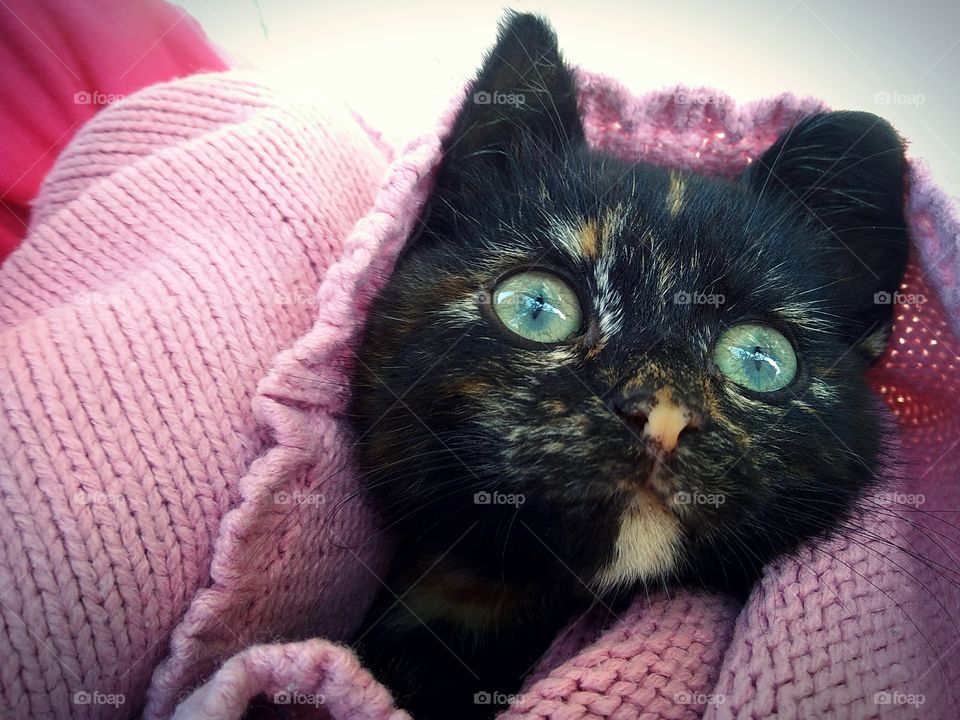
[(588, 377)]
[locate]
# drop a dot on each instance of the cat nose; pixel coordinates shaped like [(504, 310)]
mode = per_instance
[(662, 418)]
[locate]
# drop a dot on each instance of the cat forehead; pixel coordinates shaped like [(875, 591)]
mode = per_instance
[(596, 211), (678, 249), (599, 230), (661, 246)]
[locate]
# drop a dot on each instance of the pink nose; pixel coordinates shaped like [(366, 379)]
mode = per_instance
[(662, 418)]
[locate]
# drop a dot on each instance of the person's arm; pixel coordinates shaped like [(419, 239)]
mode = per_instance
[(62, 61)]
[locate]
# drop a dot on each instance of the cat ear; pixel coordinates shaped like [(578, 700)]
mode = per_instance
[(523, 94), (845, 173)]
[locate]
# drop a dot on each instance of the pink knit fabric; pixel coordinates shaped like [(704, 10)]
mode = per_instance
[(177, 247), (209, 228)]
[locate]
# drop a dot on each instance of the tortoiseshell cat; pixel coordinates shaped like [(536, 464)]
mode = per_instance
[(588, 377)]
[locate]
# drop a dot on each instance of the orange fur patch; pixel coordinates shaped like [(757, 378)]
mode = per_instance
[(589, 237), (675, 193)]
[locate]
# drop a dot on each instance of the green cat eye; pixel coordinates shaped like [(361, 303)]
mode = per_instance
[(756, 356), (538, 306)]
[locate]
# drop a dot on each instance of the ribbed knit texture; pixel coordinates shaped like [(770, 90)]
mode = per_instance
[(177, 247), (198, 204)]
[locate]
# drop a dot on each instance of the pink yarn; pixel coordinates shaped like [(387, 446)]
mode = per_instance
[(204, 230), (177, 248)]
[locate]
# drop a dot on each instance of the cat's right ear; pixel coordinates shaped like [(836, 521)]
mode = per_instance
[(523, 96)]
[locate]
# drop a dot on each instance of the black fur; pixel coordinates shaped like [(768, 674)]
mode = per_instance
[(448, 403)]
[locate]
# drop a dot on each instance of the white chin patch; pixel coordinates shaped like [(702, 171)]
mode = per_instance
[(647, 545)]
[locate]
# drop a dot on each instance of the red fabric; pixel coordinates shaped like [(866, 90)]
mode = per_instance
[(61, 61)]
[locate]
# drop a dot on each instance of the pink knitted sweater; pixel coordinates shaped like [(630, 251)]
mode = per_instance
[(177, 502)]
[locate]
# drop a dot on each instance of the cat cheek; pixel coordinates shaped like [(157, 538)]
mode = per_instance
[(824, 393)]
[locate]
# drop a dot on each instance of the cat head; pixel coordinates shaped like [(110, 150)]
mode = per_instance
[(608, 373)]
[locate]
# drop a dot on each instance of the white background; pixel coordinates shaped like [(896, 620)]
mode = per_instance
[(398, 63)]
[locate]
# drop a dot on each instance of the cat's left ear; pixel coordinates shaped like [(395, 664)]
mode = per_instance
[(844, 173), (524, 95)]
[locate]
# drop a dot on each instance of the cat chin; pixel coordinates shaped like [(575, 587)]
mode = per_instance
[(648, 544), (653, 482)]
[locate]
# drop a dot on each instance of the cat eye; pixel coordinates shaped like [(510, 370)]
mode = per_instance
[(756, 356), (538, 306)]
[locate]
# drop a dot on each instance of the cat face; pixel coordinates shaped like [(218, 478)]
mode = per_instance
[(604, 373)]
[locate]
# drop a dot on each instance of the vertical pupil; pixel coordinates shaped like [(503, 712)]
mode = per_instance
[(538, 304), (758, 358)]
